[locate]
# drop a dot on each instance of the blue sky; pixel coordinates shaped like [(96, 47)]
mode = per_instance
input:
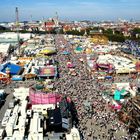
[(70, 9)]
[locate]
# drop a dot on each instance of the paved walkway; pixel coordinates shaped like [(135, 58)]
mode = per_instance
[(101, 123)]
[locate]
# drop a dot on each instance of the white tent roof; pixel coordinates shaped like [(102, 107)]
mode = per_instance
[(4, 47)]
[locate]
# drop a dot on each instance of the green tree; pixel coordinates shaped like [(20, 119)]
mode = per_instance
[(108, 31), (115, 38), (136, 31)]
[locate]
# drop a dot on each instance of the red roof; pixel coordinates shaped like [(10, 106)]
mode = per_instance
[(49, 23), (67, 27)]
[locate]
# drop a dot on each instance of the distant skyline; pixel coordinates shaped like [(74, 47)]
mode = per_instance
[(94, 10)]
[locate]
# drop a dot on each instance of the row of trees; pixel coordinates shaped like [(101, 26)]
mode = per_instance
[(118, 35), (115, 35)]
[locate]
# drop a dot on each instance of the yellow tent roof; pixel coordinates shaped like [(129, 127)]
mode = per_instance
[(48, 51), (99, 39), (88, 50)]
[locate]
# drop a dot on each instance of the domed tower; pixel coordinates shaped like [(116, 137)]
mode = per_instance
[(8, 72)]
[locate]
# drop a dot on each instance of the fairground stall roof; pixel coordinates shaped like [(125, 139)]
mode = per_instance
[(14, 69), (47, 71)]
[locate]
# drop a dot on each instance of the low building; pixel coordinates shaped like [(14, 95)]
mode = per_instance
[(5, 48)]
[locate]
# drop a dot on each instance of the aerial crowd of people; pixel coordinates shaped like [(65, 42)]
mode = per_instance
[(96, 119)]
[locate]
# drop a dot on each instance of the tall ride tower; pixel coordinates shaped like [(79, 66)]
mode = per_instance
[(56, 19), (17, 29)]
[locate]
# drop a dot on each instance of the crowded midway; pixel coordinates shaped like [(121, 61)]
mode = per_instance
[(70, 88)]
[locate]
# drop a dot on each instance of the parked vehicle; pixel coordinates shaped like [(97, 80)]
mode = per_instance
[(11, 104), (2, 134)]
